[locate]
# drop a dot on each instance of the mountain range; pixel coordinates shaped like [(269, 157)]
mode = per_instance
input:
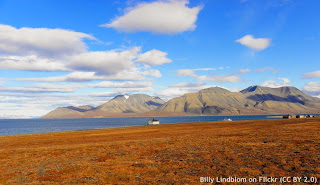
[(210, 101), (119, 106)]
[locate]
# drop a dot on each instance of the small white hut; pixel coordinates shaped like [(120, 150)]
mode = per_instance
[(153, 122)]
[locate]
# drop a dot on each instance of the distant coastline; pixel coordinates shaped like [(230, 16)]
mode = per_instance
[(29, 126)]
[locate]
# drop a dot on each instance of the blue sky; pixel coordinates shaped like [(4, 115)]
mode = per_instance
[(60, 53)]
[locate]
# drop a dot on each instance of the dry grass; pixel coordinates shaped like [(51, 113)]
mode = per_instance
[(165, 154)]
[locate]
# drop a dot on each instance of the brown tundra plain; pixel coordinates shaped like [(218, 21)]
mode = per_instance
[(165, 154)]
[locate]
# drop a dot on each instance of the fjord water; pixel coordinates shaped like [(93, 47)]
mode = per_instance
[(29, 126)]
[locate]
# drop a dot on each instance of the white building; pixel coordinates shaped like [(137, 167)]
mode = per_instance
[(153, 122)]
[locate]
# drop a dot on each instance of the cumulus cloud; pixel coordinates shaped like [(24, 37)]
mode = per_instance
[(153, 57), (312, 87), (113, 62), (274, 84), (43, 49), (254, 43), (162, 17), (31, 63), (104, 62), (315, 74), (41, 41)]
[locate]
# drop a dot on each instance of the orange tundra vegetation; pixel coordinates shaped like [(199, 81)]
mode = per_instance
[(165, 154)]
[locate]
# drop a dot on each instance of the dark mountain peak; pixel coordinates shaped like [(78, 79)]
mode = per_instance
[(255, 88)]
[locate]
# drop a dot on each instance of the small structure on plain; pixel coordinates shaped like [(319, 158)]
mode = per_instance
[(153, 122)]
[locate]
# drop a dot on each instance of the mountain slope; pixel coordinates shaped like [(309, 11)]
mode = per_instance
[(121, 104), (136, 103), (253, 100), (69, 112), (207, 101)]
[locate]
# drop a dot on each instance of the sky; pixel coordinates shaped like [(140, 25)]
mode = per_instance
[(70, 53)]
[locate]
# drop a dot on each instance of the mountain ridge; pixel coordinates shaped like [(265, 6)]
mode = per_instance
[(120, 104), (210, 101)]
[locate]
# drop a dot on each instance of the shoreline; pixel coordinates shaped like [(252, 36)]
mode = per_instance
[(136, 115), (268, 117)]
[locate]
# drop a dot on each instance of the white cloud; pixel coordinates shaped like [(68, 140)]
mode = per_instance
[(312, 87), (85, 76), (170, 93), (42, 88), (220, 78), (285, 80), (41, 41), (108, 94), (191, 72), (163, 17), (254, 43), (104, 62), (235, 89), (31, 63), (152, 72), (153, 57), (275, 84), (315, 74), (205, 69), (28, 104), (180, 89), (184, 84), (186, 72), (43, 49), (108, 84), (243, 71), (262, 70), (212, 78), (119, 91)]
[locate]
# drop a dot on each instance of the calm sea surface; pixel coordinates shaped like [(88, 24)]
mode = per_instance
[(28, 126)]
